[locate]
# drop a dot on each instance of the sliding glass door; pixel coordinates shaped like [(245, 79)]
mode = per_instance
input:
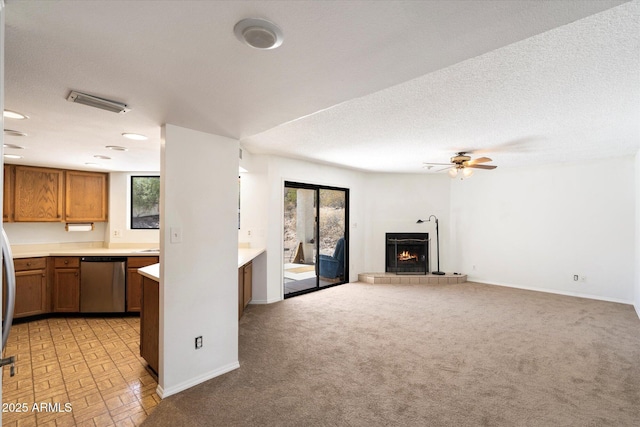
[(315, 237)]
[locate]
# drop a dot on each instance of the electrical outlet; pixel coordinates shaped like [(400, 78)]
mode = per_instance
[(199, 342), (583, 279), (117, 233), (575, 277)]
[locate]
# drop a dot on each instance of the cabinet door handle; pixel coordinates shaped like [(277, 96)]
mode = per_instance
[(28, 264), (76, 274), (66, 261)]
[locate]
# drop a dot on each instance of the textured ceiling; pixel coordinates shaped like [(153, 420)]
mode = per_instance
[(380, 86)]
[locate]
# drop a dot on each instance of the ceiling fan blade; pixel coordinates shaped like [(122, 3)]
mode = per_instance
[(436, 164), (481, 166), (444, 169), (479, 160)]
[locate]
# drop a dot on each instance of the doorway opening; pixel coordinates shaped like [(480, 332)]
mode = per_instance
[(316, 237)]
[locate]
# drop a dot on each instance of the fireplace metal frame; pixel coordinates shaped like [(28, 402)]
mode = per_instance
[(419, 241)]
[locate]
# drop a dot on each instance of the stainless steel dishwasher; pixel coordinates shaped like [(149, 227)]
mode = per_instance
[(102, 284)]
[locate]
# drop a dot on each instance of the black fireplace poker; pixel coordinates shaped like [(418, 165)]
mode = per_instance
[(420, 221)]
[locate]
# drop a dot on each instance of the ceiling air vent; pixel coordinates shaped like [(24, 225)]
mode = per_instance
[(94, 101)]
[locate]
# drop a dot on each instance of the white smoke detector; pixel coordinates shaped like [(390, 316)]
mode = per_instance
[(258, 33)]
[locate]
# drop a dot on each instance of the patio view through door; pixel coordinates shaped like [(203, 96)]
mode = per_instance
[(315, 237)]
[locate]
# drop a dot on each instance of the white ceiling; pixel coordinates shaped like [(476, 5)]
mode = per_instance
[(379, 86)]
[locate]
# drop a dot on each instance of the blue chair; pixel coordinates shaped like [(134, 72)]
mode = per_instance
[(333, 266)]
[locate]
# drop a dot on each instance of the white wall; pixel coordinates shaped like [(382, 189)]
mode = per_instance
[(393, 203), (253, 200), (32, 233), (637, 216), (119, 217), (199, 276), (537, 227)]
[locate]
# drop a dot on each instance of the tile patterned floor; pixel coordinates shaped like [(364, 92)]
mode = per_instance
[(89, 366)]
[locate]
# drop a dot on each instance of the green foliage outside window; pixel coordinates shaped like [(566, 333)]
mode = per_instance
[(145, 202)]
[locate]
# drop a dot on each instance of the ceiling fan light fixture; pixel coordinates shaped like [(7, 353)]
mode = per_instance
[(466, 172), (453, 172), (258, 33)]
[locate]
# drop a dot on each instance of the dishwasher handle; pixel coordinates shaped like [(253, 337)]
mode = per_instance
[(102, 259)]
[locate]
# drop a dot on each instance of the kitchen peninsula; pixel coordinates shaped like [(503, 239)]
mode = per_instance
[(150, 306)]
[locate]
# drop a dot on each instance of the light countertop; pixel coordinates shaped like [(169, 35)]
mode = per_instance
[(244, 256), (151, 271), (248, 254), (29, 253)]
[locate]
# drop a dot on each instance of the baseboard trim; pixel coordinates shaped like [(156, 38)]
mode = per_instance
[(164, 393), (553, 291), (265, 301), (637, 310)]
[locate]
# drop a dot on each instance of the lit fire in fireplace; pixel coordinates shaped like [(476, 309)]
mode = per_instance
[(407, 256)]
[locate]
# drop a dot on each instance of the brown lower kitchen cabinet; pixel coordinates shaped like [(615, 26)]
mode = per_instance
[(66, 285), (31, 287), (150, 322), (245, 284), (134, 280)]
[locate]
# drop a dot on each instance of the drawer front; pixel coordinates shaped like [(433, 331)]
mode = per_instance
[(141, 261), (23, 264), (66, 261)]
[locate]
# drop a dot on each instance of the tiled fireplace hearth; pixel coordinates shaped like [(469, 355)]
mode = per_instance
[(394, 279)]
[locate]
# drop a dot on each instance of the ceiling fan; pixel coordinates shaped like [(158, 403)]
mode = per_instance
[(462, 165)]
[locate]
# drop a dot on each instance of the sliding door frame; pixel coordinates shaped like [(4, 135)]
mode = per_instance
[(317, 188)]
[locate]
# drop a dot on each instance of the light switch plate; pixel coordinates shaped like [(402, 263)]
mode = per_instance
[(176, 234)]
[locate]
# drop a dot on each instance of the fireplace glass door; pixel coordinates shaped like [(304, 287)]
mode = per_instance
[(315, 237)]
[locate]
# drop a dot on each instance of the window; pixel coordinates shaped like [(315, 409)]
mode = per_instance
[(145, 202)]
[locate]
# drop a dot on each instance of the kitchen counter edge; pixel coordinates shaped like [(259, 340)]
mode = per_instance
[(244, 256), (84, 252)]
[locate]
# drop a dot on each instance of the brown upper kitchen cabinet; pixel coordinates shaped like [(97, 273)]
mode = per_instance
[(86, 196), (38, 194), (7, 207)]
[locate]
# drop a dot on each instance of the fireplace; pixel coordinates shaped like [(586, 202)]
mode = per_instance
[(407, 253)]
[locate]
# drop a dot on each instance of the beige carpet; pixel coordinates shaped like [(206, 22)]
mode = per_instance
[(424, 355)]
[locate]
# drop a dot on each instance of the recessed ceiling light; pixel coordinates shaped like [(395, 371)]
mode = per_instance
[(116, 148), (15, 147), (258, 33), (99, 156), (135, 136), (12, 156), (14, 132), (9, 114)]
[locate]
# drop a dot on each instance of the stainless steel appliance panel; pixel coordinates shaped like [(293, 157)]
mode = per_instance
[(102, 284)]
